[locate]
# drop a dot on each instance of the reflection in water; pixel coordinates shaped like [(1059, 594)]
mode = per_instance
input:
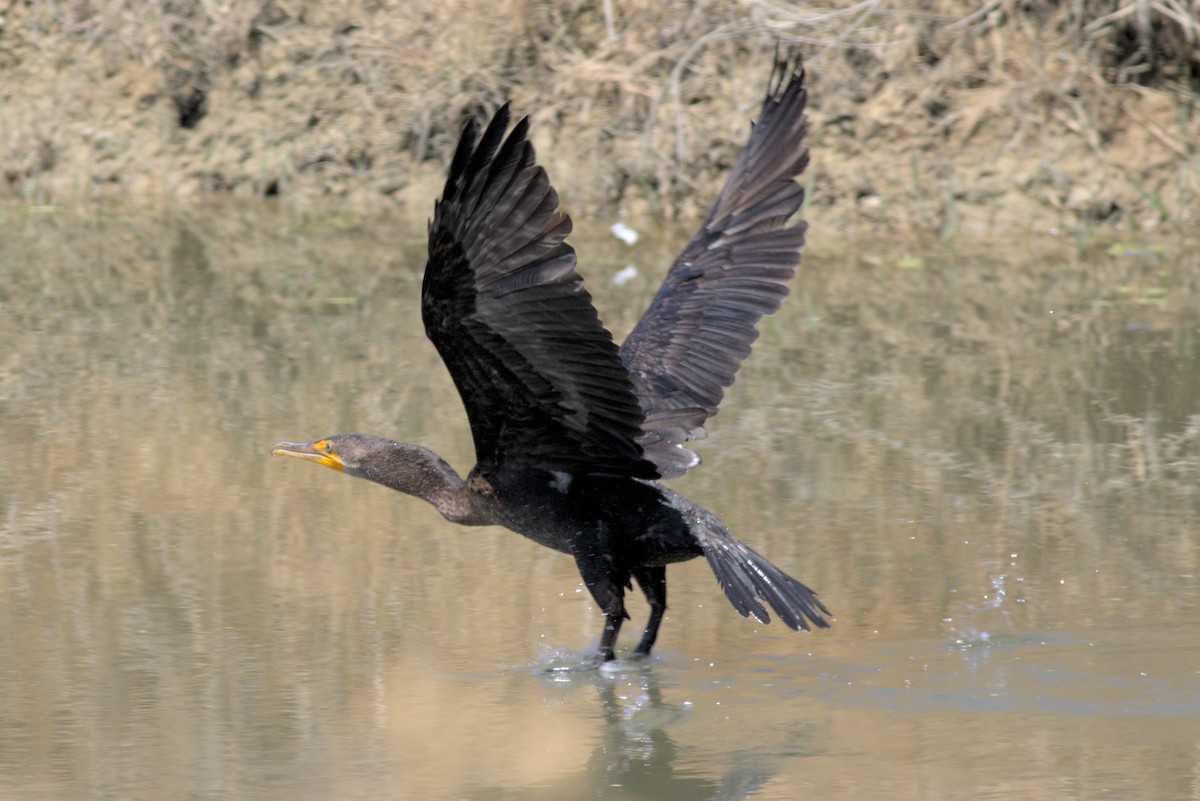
[(990, 467), (635, 756)]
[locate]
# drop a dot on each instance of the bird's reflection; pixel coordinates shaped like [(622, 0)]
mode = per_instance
[(634, 756)]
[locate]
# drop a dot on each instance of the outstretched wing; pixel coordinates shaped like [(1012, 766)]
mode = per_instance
[(540, 377), (690, 342)]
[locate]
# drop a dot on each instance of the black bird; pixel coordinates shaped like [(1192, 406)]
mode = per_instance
[(571, 431)]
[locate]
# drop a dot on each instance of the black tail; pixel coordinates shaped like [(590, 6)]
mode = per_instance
[(747, 577)]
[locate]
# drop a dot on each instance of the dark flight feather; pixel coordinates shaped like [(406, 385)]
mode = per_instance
[(540, 377), (689, 344)]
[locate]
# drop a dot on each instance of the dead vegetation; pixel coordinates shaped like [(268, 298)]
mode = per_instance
[(934, 115)]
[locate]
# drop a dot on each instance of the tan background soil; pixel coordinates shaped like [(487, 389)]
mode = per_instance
[(940, 117)]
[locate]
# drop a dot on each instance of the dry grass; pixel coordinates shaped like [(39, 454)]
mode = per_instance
[(936, 114)]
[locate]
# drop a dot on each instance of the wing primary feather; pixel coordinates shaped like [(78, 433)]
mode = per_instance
[(542, 382), (687, 347)]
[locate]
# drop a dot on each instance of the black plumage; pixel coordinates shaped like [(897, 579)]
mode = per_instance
[(571, 431)]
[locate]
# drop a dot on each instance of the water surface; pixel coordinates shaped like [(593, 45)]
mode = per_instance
[(986, 462)]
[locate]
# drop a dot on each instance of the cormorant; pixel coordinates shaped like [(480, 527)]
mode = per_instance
[(571, 432)]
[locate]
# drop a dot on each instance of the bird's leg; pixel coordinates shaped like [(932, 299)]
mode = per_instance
[(608, 640), (607, 587), (653, 581)]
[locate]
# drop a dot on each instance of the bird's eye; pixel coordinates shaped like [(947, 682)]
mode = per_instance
[(329, 447)]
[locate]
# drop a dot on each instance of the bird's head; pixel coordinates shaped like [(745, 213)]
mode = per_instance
[(406, 468), (346, 453)]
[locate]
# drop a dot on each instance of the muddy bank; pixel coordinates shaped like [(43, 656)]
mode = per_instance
[(941, 117)]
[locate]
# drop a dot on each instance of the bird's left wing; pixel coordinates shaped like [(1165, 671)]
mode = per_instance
[(539, 375)]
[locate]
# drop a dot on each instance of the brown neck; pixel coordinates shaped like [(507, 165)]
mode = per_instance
[(420, 472)]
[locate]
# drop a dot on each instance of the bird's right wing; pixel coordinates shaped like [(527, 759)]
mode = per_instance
[(687, 347)]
